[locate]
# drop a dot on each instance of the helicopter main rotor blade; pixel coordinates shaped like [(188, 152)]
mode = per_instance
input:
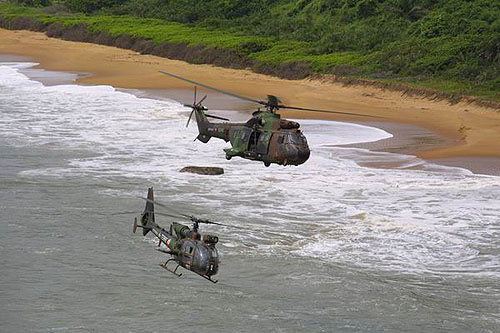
[(326, 111), (270, 103), (170, 209), (169, 215), (179, 215), (120, 213), (216, 117), (190, 217), (195, 219), (215, 89)]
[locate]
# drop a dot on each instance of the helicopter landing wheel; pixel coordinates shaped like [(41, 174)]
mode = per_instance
[(228, 157), (267, 164)]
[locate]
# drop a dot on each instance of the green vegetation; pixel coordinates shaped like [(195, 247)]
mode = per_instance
[(450, 45)]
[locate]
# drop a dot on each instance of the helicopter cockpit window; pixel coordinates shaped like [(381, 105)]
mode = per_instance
[(213, 253), (188, 248), (301, 138), (296, 139), (201, 259)]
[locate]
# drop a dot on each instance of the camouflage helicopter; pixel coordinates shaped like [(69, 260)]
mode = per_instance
[(265, 137), (186, 246)]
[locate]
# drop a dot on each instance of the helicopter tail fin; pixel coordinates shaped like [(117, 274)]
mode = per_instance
[(203, 124), (203, 137), (148, 216), (207, 129)]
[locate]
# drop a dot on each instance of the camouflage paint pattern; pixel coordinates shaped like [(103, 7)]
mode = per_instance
[(265, 137), (184, 243)]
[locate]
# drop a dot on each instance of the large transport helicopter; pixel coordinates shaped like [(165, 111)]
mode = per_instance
[(186, 246), (265, 137)]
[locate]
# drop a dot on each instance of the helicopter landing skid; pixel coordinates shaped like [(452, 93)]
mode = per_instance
[(165, 265), (208, 278)]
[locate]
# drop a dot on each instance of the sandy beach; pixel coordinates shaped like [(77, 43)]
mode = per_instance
[(467, 134)]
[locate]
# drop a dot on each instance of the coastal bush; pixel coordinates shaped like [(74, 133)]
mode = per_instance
[(34, 3), (453, 43), (89, 6)]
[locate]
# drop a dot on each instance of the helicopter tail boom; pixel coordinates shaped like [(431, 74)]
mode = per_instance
[(203, 125), (203, 138), (208, 129)]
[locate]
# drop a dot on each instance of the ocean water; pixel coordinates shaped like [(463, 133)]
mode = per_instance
[(331, 246)]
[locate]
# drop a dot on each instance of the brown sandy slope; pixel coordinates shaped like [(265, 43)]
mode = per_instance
[(474, 130)]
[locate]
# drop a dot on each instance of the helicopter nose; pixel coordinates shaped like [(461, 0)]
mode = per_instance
[(303, 155)]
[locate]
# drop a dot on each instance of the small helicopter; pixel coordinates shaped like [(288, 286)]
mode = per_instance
[(188, 249), (265, 137)]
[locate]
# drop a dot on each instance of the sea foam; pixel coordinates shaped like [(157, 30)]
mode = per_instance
[(435, 219)]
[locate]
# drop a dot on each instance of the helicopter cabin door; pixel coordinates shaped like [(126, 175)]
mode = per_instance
[(263, 143), (240, 139), (187, 252)]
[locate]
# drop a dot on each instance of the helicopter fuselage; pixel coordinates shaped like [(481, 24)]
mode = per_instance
[(188, 248), (265, 137), (197, 255), (191, 252)]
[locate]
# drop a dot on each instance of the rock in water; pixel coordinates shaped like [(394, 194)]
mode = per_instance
[(203, 170)]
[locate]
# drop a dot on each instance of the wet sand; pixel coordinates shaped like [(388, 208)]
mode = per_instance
[(433, 130), (411, 139), (407, 138)]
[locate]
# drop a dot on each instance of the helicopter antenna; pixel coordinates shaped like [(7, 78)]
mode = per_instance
[(272, 104)]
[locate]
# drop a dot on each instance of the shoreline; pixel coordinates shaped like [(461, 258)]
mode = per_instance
[(465, 134), (411, 139), (406, 139)]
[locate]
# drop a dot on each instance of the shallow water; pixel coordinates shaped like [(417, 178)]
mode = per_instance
[(333, 247)]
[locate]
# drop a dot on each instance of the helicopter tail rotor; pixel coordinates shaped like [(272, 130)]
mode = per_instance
[(199, 107), (196, 107), (190, 115), (191, 106)]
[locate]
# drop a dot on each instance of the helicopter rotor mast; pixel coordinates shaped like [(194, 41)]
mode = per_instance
[(272, 104)]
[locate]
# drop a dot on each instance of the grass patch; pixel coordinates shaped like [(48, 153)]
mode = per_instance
[(436, 62)]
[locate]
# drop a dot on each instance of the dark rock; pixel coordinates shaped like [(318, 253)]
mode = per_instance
[(124, 41), (203, 170), (104, 38), (26, 23)]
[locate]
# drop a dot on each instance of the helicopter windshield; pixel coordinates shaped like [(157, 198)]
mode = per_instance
[(297, 139)]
